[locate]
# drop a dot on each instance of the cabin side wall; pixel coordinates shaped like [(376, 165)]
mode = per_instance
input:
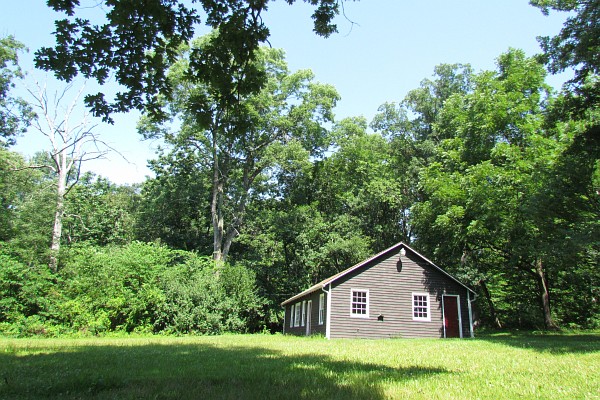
[(390, 285), (315, 327)]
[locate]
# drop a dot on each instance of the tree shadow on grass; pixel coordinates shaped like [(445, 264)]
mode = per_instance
[(194, 371), (554, 343)]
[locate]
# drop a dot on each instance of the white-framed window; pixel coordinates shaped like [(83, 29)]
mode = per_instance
[(297, 314), (292, 316), (359, 303), (303, 313), (321, 308), (420, 307)]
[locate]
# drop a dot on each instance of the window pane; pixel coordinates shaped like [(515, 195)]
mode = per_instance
[(420, 306), (303, 313), (297, 316), (321, 308), (359, 302)]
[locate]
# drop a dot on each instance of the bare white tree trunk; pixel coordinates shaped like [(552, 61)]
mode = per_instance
[(58, 214)]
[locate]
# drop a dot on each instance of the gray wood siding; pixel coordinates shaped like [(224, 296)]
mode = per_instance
[(315, 328), (390, 294)]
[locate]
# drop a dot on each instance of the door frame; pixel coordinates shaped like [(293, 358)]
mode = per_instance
[(460, 329)]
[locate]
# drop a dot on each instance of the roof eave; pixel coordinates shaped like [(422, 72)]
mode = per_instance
[(310, 290), (440, 269)]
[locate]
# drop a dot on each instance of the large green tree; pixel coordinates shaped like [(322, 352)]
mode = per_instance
[(242, 138), (576, 182), (486, 195)]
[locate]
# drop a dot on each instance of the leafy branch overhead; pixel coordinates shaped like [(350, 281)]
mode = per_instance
[(577, 47), (138, 42)]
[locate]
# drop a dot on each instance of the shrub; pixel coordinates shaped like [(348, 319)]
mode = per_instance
[(114, 287), (201, 298), (25, 291), (138, 287)]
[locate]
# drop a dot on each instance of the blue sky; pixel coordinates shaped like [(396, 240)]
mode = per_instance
[(384, 48)]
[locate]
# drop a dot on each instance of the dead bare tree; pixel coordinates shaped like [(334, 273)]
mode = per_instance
[(71, 144)]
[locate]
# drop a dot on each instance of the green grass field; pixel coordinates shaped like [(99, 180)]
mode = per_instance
[(280, 367)]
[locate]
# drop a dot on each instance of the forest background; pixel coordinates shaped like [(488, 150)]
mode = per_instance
[(258, 192)]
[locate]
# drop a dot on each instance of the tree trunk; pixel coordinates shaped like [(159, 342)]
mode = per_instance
[(216, 207), (62, 171), (488, 297), (57, 231), (544, 295), (232, 234), (232, 231), (226, 236)]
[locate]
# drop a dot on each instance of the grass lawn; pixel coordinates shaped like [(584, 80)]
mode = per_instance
[(280, 367)]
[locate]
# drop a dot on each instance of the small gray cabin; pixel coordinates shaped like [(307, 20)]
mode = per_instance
[(396, 293)]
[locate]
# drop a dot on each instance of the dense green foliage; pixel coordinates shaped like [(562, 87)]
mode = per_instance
[(133, 288), (260, 193)]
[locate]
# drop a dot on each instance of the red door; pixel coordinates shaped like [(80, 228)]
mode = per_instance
[(451, 317)]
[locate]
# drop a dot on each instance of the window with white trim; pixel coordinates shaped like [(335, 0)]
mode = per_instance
[(297, 314), (321, 308), (303, 313), (359, 303), (420, 307), (292, 316)]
